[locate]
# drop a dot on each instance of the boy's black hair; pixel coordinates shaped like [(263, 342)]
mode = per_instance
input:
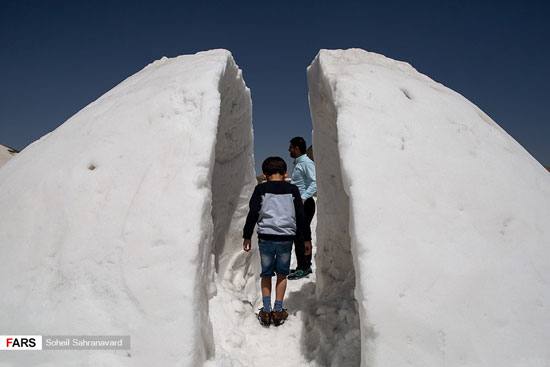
[(274, 165), (300, 143)]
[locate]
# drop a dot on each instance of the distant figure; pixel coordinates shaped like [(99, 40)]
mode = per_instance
[(277, 207), (303, 176)]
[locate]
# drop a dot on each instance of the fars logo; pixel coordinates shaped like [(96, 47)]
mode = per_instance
[(20, 342)]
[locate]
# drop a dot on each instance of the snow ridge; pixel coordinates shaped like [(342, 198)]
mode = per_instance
[(111, 224), (447, 217)]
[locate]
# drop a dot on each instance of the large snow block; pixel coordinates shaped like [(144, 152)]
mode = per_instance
[(108, 224), (448, 218)]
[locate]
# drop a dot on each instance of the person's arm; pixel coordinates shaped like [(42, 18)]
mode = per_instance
[(247, 244), (308, 170), (252, 217)]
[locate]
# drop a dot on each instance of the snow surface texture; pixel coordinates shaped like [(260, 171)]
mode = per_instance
[(6, 154), (448, 218), (114, 223)]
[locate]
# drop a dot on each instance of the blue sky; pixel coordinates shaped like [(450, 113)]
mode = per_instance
[(59, 56)]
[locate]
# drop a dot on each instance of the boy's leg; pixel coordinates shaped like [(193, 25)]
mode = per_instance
[(282, 268), (266, 293), (265, 312), (280, 288), (267, 258), (266, 286)]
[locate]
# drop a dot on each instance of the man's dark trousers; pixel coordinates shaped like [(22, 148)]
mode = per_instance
[(304, 261)]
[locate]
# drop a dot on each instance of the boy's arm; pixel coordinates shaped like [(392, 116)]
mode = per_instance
[(247, 244), (253, 214)]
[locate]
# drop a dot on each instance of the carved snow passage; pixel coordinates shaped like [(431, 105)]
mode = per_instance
[(431, 243)]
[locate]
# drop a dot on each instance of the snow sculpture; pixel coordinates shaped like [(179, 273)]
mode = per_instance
[(448, 218), (112, 223)]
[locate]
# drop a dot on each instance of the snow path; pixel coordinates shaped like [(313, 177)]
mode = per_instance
[(240, 340), (322, 328)]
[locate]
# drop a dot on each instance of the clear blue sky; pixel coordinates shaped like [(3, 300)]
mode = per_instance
[(59, 56)]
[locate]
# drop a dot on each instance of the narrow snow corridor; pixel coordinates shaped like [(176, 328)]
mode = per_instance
[(239, 339), (323, 326)]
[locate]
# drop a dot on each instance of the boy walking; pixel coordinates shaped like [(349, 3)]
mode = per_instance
[(277, 208)]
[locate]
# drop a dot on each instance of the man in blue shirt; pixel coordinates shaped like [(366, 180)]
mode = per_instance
[(303, 176)]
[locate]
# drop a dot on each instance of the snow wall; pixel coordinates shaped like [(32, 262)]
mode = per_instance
[(448, 218), (114, 223)]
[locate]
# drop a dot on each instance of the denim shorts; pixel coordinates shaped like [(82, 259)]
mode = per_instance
[(275, 257)]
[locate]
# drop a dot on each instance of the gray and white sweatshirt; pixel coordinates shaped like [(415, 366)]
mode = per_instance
[(277, 208)]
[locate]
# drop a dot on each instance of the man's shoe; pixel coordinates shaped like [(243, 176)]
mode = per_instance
[(299, 274), (264, 317), (279, 318)]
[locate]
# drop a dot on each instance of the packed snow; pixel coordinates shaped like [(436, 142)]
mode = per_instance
[(112, 224), (446, 216)]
